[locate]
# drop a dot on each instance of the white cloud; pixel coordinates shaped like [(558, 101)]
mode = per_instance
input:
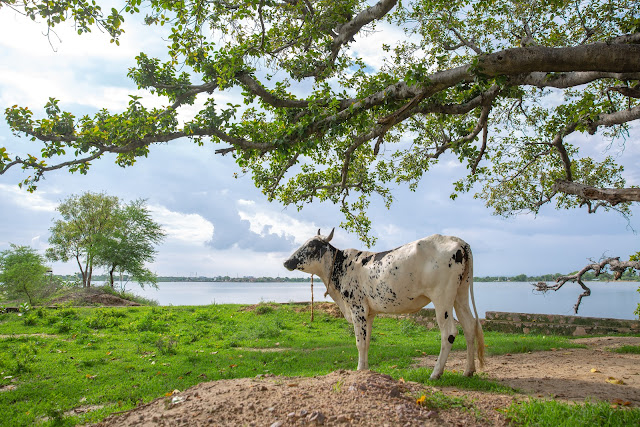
[(369, 47), (182, 227), (262, 219), (12, 194)]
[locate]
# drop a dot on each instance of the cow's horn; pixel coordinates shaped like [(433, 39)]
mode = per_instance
[(330, 235), (318, 231)]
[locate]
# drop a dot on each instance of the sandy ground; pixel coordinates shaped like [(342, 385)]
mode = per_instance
[(372, 399)]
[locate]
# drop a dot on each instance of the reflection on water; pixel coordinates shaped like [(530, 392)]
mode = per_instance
[(615, 300)]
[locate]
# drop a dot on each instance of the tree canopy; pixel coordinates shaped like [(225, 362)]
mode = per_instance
[(96, 230), (517, 91), (130, 244), (86, 220)]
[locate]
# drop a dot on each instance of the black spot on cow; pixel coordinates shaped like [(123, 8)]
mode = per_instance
[(339, 268), (380, 255), (446, 315), (451, 339), (365, 260), (457, 257)]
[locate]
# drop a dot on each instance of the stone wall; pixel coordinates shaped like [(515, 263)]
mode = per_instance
[(545, 324), (552, 324)]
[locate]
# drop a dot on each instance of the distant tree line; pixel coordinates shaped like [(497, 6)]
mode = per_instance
[(243, 279), (629, 276)]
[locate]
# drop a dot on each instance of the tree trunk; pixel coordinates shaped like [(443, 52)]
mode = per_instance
[(26, 291), (111, 276), (89, 274), (83, 272)]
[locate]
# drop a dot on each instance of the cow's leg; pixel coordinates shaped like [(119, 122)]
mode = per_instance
[(362, 324), (468, 322), (448, 333)]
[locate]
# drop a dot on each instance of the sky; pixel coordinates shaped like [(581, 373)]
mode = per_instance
[(219, 225)]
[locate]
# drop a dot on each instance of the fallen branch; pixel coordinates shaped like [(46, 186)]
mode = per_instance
[(615, 265)]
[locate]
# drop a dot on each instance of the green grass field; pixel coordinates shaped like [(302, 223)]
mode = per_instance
[(52, 361)]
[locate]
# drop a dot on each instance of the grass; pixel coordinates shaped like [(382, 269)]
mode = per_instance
[(113, 359), (633, 349), (552, 413)]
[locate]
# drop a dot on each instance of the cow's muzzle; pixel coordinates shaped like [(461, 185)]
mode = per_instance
[(291, 264)]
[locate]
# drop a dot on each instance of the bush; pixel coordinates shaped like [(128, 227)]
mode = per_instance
[(23, 275)]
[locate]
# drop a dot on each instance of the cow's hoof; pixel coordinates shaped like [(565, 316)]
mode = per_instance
[(434, 377), (469, 373)]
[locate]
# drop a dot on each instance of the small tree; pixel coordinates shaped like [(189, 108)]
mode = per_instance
[(23, 275), (84, 220), (130, 244)]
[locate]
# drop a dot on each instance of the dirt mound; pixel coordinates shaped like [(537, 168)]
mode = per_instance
[(343, 397), (329, 308), (92, 296)]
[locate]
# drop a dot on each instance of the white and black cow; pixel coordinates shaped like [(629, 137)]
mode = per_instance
[(436, 269)]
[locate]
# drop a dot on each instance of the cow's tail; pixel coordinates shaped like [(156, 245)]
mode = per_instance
[(479, 333)]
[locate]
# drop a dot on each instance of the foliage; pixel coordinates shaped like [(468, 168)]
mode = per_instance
[(85, 218), (96, 230), (502, 87), (130, 244), (23, 274), (123, 357), (84, 14)]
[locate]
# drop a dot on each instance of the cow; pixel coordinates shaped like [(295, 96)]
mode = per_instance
[(436, 269)]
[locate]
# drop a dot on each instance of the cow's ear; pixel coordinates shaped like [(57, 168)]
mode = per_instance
[(328, 239)]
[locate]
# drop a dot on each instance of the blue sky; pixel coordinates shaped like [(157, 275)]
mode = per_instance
[(219, 225)]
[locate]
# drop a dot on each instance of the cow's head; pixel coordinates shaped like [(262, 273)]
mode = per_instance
[(309, 256)]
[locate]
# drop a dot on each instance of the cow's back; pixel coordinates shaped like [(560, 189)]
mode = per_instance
[(407, 277)]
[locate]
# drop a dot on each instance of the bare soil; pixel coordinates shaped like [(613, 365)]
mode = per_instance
[(92, 297), (373, 399)]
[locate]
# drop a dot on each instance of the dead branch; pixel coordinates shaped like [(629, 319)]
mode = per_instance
[(614, 264)]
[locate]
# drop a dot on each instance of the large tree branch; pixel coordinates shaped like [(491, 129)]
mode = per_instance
[(604, 57), (567, 80), (611, 195), (597, 60)]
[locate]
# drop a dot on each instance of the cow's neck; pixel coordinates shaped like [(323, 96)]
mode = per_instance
[(332, 264)]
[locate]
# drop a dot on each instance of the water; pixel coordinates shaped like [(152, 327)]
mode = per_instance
[(614, 300)]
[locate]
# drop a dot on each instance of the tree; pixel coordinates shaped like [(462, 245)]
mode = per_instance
[(515, 90), (130, 244), (97, 231), (23, 274), (85, 220)]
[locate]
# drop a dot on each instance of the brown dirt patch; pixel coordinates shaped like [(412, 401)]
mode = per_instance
[(566, 374), (329, 308), (341, 397), (372, 399), (92, 296)]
